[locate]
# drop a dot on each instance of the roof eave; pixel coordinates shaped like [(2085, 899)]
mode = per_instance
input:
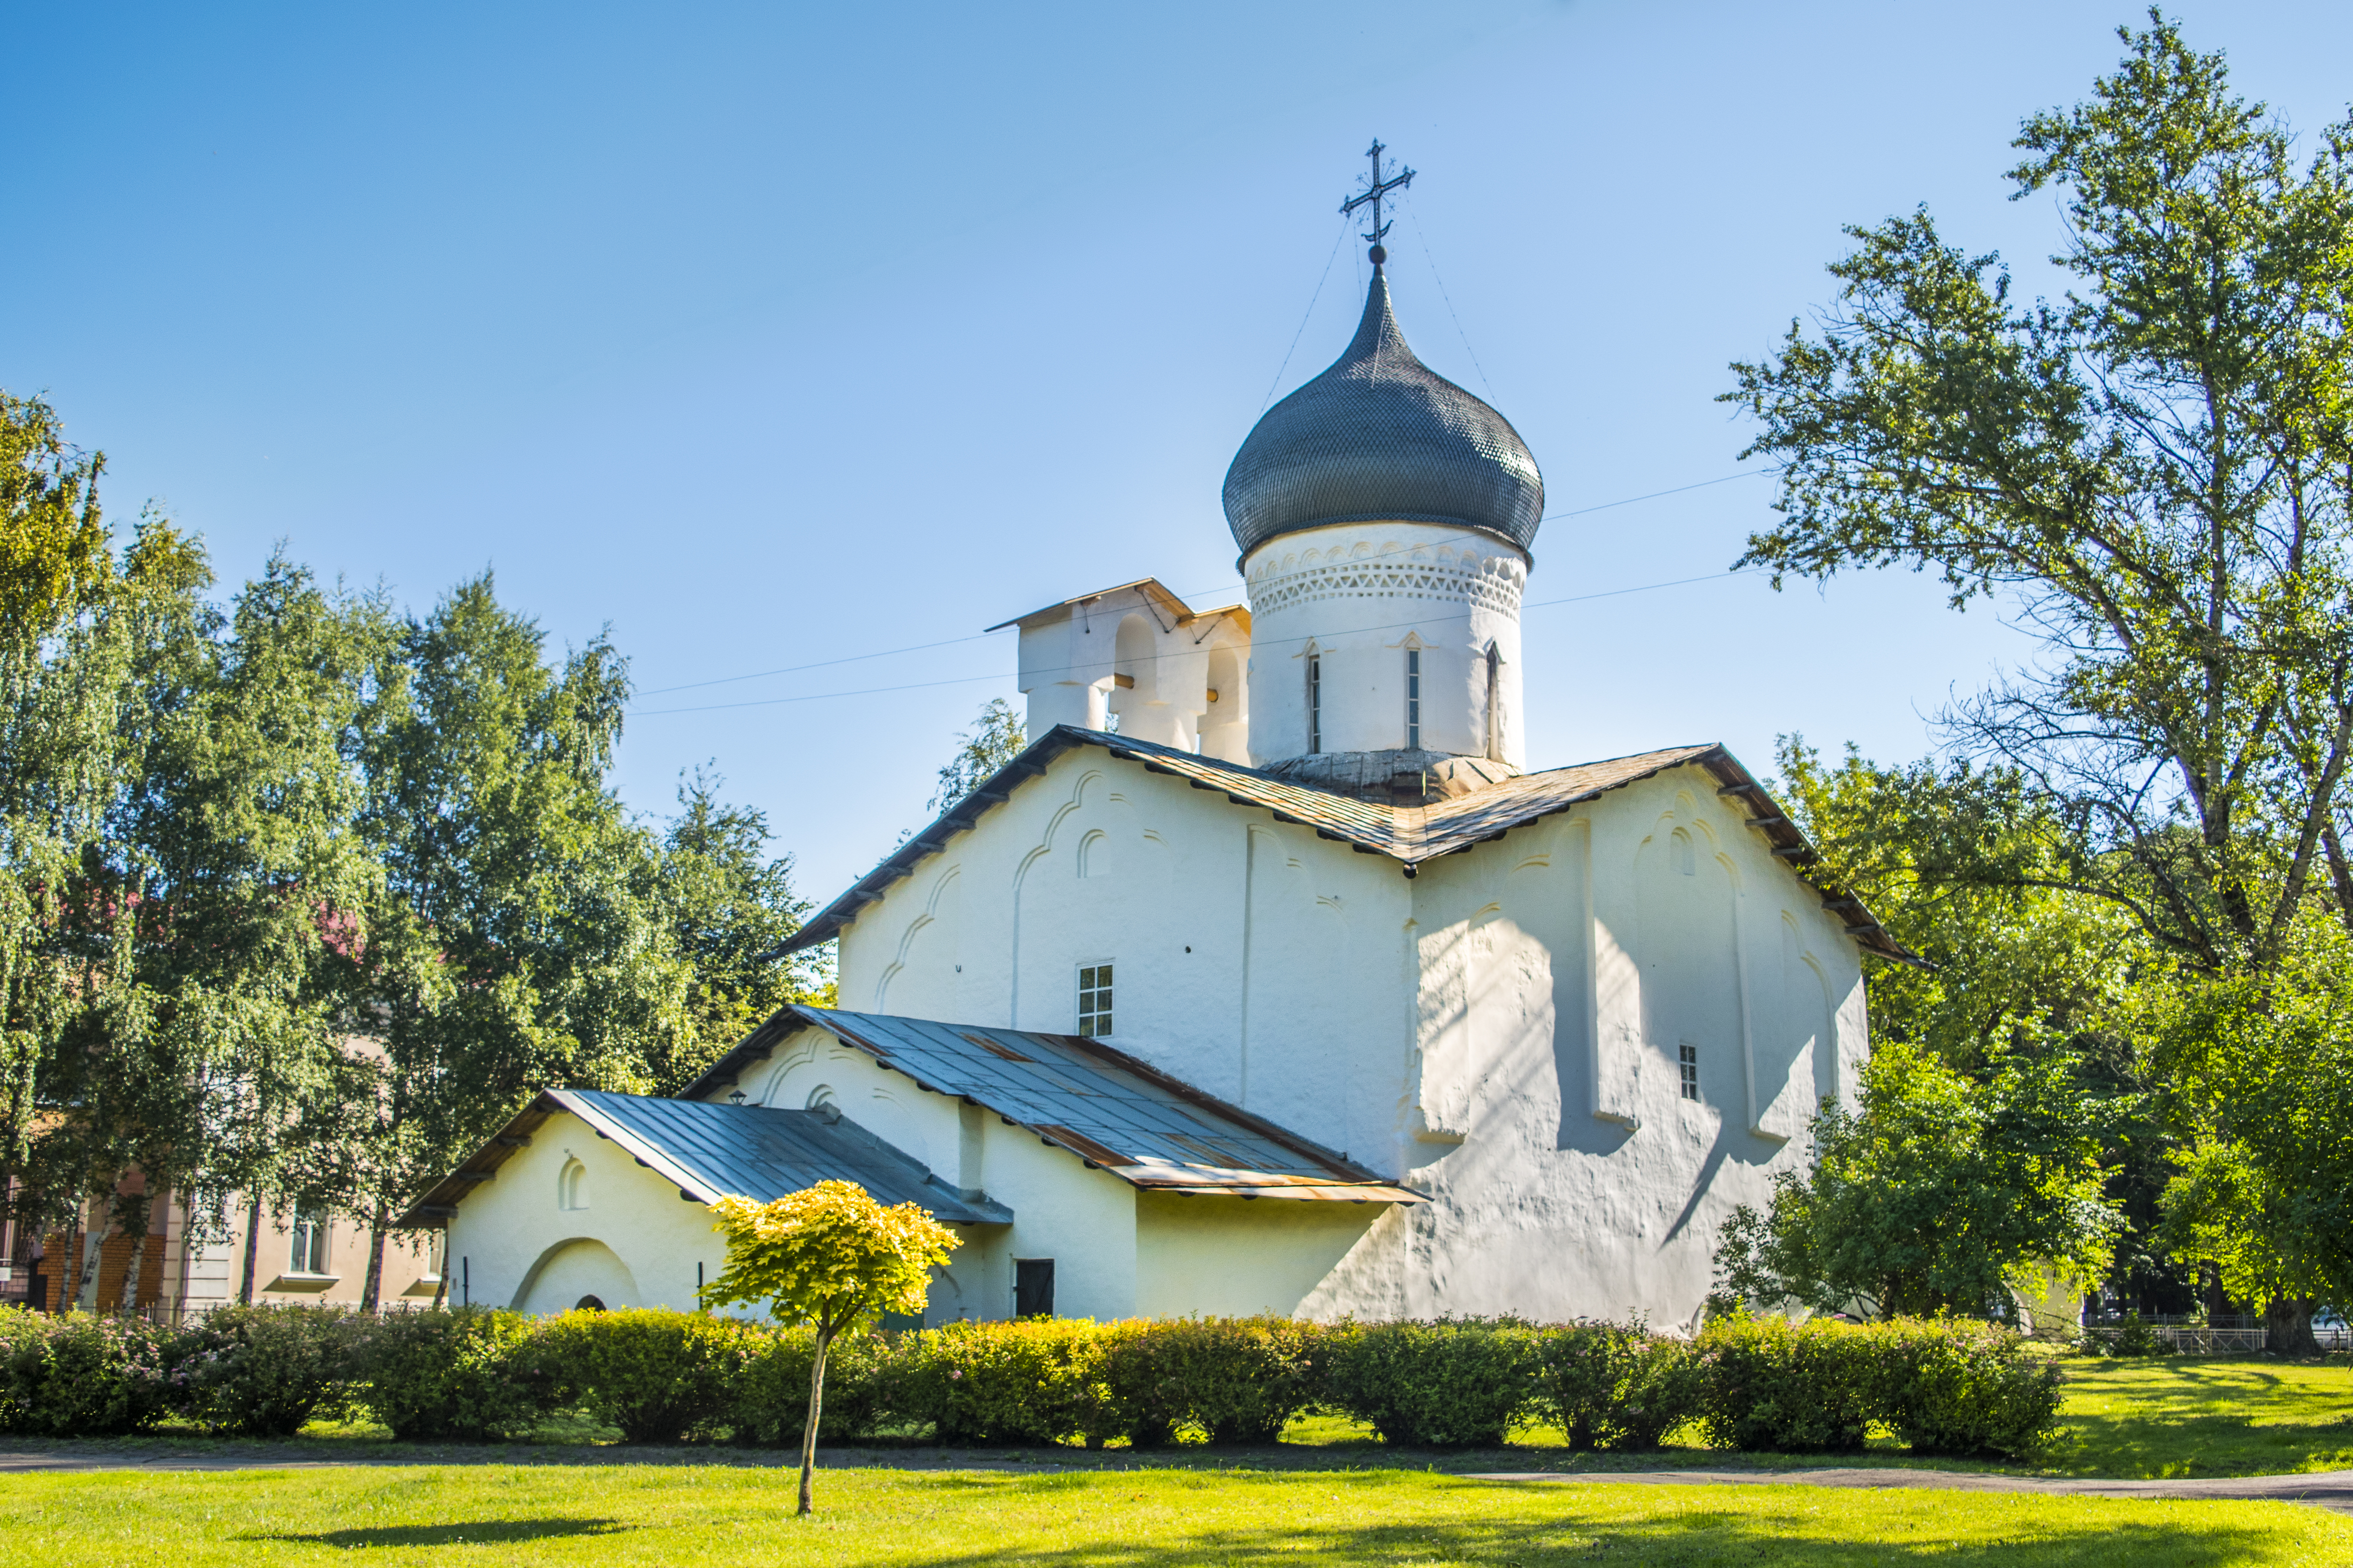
[(439, 1204)]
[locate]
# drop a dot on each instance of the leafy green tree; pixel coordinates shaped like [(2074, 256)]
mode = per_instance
[(2155, 474), (833, 1257), (2154, 471), (729, 906), (521, 941), (1938, 1195), (252, 881), (65, 655), (996, 738), (1967, 867), (2256, 1074)]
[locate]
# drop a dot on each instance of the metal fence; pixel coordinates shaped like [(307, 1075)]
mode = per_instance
[(2229, 1333)]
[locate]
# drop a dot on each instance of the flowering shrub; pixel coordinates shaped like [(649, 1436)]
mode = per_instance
[(262, 1372), (80, 1377), (1454, 1383)]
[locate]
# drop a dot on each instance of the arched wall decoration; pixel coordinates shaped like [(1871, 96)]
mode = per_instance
[(571, 1188), (930, 914), (812, 1044), (1094, 855), (1044, 846)]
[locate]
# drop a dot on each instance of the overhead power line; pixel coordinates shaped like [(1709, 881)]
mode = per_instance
[(1011, 675), (980, 636)]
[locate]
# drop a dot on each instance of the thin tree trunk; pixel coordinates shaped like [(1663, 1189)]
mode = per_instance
[(371, 1293), (127, 1300), (252, 1249), (815, 1410), (65, 1259), (2340, 873), (93, 1243)]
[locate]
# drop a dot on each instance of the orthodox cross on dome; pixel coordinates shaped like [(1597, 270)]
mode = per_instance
[(1375, 193)]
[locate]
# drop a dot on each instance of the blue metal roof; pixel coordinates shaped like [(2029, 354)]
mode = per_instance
[(1104, 1105), (710, 1150)]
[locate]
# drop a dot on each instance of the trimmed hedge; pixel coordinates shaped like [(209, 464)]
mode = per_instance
[(475, 1374), (1456, 1383), (1944, 1387), (461, 1374), (1610, 1386), (660, 1377)]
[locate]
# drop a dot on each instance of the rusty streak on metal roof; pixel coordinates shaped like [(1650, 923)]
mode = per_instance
[(707, 1150), (1411, 835), (1149, 1128)]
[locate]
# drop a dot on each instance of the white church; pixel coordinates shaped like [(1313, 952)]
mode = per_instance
[(1269, 978)]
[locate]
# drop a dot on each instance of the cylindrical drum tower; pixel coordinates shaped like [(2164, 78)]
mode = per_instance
[(1384, 516)]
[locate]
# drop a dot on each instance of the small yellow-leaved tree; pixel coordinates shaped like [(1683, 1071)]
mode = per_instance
[(831, 1257)]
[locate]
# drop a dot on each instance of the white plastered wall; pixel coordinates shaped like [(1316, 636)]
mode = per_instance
[(516, 1242), (1570, 1176), (1252, 959), (1126, 656), (1501, 1032)]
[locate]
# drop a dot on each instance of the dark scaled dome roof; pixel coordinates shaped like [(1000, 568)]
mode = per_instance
[(1382, 436)]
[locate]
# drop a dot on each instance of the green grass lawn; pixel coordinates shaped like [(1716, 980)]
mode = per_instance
[(2205, 1417), (2129, 1419), (713, 1516)]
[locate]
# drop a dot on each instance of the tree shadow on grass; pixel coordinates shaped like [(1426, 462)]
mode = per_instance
[(471, 1533), (1695, 1538), (1662, 1530), (2174, 1443)]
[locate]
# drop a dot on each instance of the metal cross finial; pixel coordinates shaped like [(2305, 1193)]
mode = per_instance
[(1376, 192)]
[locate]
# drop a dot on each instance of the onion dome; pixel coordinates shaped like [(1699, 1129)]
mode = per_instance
[(1380, 436)]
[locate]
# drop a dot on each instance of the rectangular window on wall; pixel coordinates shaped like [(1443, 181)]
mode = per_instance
[(1314, 702), (310, 1252), (1690, 1065), (1413, 700), (1094, 999), (1033, 1287)]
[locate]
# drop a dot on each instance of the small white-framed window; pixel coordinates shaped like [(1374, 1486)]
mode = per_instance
[(309, 1250), (1094, 999), (1687, 1064), (1413, 700), (1314, 702)]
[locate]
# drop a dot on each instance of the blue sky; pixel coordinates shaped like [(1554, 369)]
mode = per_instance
[(773, 335)]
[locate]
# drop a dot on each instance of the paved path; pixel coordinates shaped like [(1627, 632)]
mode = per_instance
[(2324, 1488)]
